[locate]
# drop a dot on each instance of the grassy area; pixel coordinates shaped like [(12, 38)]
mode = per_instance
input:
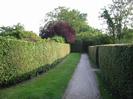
[(50, 85), (104, 89)]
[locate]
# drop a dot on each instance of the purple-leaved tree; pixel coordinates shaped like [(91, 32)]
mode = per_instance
[(60, 28)]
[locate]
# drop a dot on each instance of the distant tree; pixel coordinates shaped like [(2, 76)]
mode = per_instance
[(118, 16), (110, 23), (18, 32), (14, 30), (127, 36), (60, 28), (77, 20)]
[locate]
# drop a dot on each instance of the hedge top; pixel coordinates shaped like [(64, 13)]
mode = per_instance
[(112, 45)]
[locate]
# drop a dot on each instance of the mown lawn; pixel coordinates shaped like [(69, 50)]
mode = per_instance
[(50, 85)]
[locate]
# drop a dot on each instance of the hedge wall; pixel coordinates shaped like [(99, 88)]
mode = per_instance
[(21, 59), (116, 64)]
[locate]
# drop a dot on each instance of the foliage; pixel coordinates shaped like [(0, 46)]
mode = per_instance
[(110, 23), (18, 32), (76, 19), (13, 31), (115, 62), (19, 60), (60, 28), (8, 37), (93, 38), (51, 85), (29, 36), (58, 39), (77, 46), (118, 16), (127, 36)]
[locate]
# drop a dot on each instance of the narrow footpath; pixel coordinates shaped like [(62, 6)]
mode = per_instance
[(83, 84)]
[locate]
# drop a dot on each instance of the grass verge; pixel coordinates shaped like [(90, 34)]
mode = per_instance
[(105, 92), (50, 85)]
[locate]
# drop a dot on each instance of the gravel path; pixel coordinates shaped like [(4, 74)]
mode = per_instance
[(83, 84)]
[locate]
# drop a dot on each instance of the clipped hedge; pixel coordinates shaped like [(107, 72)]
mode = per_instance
[(21, 59), (93, 55), (116, 64)]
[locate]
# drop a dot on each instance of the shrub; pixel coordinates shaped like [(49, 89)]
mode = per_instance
[(60, 28), (20, 60), (58, 39), (116, 65)]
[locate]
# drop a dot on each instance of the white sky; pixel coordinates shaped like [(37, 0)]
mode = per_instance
[(31, 12)]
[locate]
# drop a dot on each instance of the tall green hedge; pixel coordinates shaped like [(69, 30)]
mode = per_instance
[(21, 59), (116, 64)]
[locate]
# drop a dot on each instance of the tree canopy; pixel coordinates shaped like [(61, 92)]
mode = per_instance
[(118, 16), (76, 19)]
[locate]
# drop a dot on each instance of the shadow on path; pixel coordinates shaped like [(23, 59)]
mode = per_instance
[(83, 84)]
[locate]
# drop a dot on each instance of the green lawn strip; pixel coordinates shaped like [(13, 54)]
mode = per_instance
[(50, 85), (104, 89)]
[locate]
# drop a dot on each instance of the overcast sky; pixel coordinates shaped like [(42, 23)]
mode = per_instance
[(31, 12)]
